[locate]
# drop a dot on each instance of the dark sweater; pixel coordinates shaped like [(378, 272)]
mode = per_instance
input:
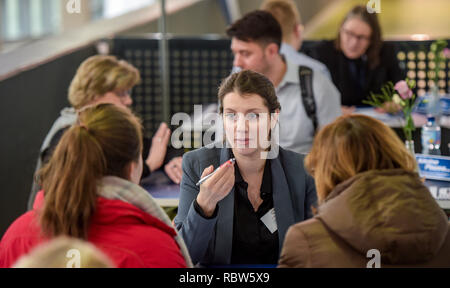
[(353, 78)]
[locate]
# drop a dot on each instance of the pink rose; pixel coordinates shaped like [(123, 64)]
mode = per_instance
[(403, 89), (447, 53)]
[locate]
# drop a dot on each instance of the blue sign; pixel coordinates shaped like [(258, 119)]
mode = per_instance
[(434, 167), (422, 106)]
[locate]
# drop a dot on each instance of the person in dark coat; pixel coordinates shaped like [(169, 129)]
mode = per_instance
[(240, 215), (358, 59), (374, 210)]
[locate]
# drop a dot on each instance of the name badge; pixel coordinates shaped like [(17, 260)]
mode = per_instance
[(270, 221)]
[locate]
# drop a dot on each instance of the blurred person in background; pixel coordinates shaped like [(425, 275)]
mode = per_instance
[(287, 14), (358, 59), (105, 79)]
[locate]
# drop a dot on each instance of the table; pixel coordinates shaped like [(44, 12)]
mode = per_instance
[(396, 122), (167, 194), (440, 190), (163, 190)]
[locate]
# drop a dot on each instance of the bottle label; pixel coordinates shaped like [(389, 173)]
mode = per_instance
[(431, 140)]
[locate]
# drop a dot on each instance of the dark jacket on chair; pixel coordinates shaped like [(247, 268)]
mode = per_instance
[(347, 73), (209, 241)]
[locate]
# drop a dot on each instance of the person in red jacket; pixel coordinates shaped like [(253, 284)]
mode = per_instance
[(91, 192)]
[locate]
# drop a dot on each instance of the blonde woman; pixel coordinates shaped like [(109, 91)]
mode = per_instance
[(369, 198), (105, 79), (91, 192)]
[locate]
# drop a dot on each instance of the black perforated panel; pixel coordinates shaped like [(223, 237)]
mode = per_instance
[(196, 68)]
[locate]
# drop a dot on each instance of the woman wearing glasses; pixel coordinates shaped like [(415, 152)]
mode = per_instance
[(240, 215), (358, 59)]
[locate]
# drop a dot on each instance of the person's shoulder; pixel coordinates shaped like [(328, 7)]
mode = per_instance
[(24, 225), (311, 62), (131, 249), (388, 45), (205, 153), (291, 158), (22, 234), (388, 50), (325, 45)]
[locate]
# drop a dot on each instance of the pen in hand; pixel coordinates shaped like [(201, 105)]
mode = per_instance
[(231, 161)]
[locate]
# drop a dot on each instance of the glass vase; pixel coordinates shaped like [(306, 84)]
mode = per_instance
[(410, 147)]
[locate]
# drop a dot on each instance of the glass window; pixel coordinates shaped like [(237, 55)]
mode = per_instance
[(22, 21), (114, 8)]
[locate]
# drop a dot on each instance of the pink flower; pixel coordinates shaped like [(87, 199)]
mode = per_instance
[(447, 53), (403, 89)]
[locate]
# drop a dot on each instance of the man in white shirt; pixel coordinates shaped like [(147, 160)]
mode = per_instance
[(287, 15), (256, 40)]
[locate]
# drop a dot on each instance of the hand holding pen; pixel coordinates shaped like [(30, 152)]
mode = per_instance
[(215, 185)]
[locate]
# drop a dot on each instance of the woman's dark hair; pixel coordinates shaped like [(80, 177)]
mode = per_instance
[(105, 141), (376, 41), (249, 82)]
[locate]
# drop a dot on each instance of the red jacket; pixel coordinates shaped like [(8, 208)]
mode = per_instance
[(129, 236)]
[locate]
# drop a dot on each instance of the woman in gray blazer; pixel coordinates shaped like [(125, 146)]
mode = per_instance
[(240, 215)]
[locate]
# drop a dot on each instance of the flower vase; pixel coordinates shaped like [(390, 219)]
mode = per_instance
[(434, 102)]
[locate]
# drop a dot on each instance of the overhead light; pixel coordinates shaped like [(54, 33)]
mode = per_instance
[(420, 37)]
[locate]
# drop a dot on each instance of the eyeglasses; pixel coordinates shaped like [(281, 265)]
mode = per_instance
[(350, 34), (235, 116)]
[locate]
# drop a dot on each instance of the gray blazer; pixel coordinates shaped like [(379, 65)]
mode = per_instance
[(209, 241)]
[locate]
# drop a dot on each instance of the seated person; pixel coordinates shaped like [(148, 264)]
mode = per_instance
[(370, 197), (104, 79), (358, 59), (91, 192), (240, 214), (287, 14)]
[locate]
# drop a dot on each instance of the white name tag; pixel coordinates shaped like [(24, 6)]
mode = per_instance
[(270, 221)]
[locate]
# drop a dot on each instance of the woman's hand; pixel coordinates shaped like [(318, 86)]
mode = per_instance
[(346, 110), (173, 169), (158, 150), (216, 187), (389, 107)]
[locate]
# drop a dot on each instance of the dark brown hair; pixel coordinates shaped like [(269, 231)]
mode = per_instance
[(354, 144), (376, 40), (106, 140), (249, 82), (259, 26)]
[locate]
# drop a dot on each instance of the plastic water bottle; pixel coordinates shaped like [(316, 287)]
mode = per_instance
[(431, 137)]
